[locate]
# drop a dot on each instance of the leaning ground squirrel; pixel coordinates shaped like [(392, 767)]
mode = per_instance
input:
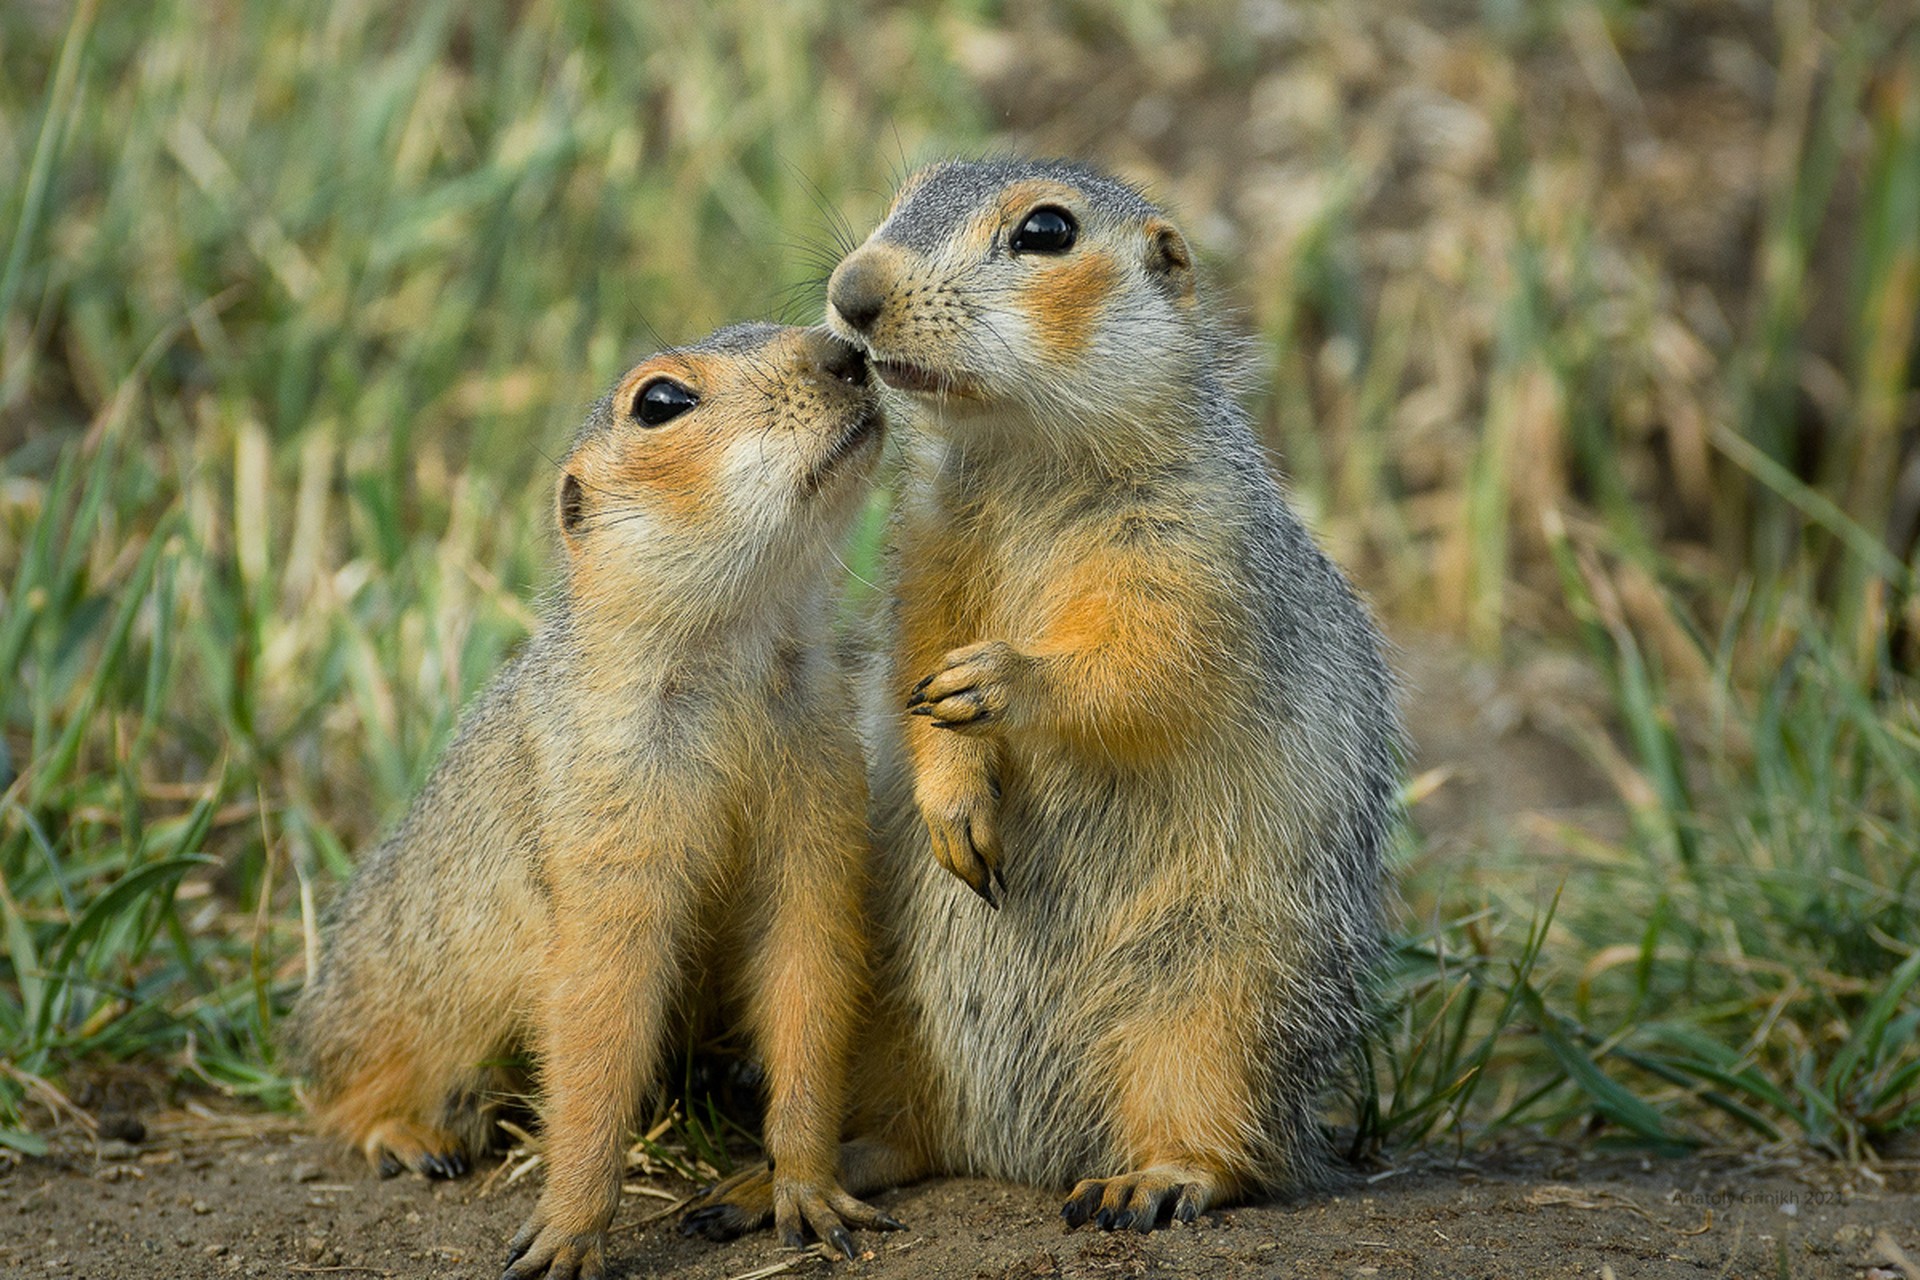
[(1122, 696), (665, 778)]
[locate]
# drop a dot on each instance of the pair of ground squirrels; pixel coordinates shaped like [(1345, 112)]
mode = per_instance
[(662, 792), (1131, 746)]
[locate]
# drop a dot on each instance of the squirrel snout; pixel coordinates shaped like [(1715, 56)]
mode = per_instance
[(858, 291), (843, 361)]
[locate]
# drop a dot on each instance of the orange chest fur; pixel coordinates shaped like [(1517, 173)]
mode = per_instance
[(945, 587), (957, 587)]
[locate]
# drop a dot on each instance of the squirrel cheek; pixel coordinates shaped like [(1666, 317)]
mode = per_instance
[(1063, 304), (757, 477)]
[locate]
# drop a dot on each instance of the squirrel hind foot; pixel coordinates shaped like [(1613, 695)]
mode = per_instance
[(1140, 1201), (733, 1207), (406, 1144)]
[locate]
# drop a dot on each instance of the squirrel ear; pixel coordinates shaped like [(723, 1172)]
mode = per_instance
[(1169, 259), (572, 509)]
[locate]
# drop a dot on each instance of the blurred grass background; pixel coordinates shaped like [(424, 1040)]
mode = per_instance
[(1590, 337)]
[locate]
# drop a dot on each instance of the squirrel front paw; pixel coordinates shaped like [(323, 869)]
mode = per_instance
[(961, 809), (977, 685)]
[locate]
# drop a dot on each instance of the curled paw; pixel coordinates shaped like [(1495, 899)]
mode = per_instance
[(541, 1248), (966, 842), (975, 686), (1138, 1201)]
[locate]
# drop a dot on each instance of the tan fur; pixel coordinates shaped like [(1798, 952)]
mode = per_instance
[(663, 784)]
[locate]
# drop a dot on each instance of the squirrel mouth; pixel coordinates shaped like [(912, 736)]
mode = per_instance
[(905, 375), (864, 428)]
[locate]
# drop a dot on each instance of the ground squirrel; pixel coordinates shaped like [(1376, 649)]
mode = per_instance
[(1122, 697), (665, 782)]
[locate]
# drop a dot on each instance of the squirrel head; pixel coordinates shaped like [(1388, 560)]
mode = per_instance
[(1037, 289), (749, 450)]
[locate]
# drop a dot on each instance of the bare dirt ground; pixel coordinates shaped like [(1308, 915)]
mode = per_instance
[(191, 1202)]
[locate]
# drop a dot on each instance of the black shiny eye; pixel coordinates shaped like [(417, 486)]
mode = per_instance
[(1046, 230), (662, 400)]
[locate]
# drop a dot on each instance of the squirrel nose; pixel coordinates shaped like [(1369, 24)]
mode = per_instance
[(858, 291), (841, 360)]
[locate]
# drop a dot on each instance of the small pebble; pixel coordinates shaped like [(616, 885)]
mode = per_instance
[(202, 1207), (124, 1128), (308, 1171)]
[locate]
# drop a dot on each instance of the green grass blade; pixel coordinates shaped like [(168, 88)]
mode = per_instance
[(130, 892), (1610, 1098)]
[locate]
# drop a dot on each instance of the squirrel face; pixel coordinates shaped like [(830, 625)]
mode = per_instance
[(1009, 285), (748, 449)]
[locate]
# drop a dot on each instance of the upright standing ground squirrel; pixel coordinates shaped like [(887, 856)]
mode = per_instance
[(664, 782), (1122, 697)]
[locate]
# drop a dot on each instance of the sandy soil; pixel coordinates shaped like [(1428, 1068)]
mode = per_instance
[(263, 1199)]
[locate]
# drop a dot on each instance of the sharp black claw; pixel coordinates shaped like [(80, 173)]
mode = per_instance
[(842, 1241), (516, 1251), (1143, 1222), (924, 709), (985, 890), (999, 882), (389, 1165), (451, 1165), (888, 1222), (1104, 1219), (919, 693), (791, 1238)]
